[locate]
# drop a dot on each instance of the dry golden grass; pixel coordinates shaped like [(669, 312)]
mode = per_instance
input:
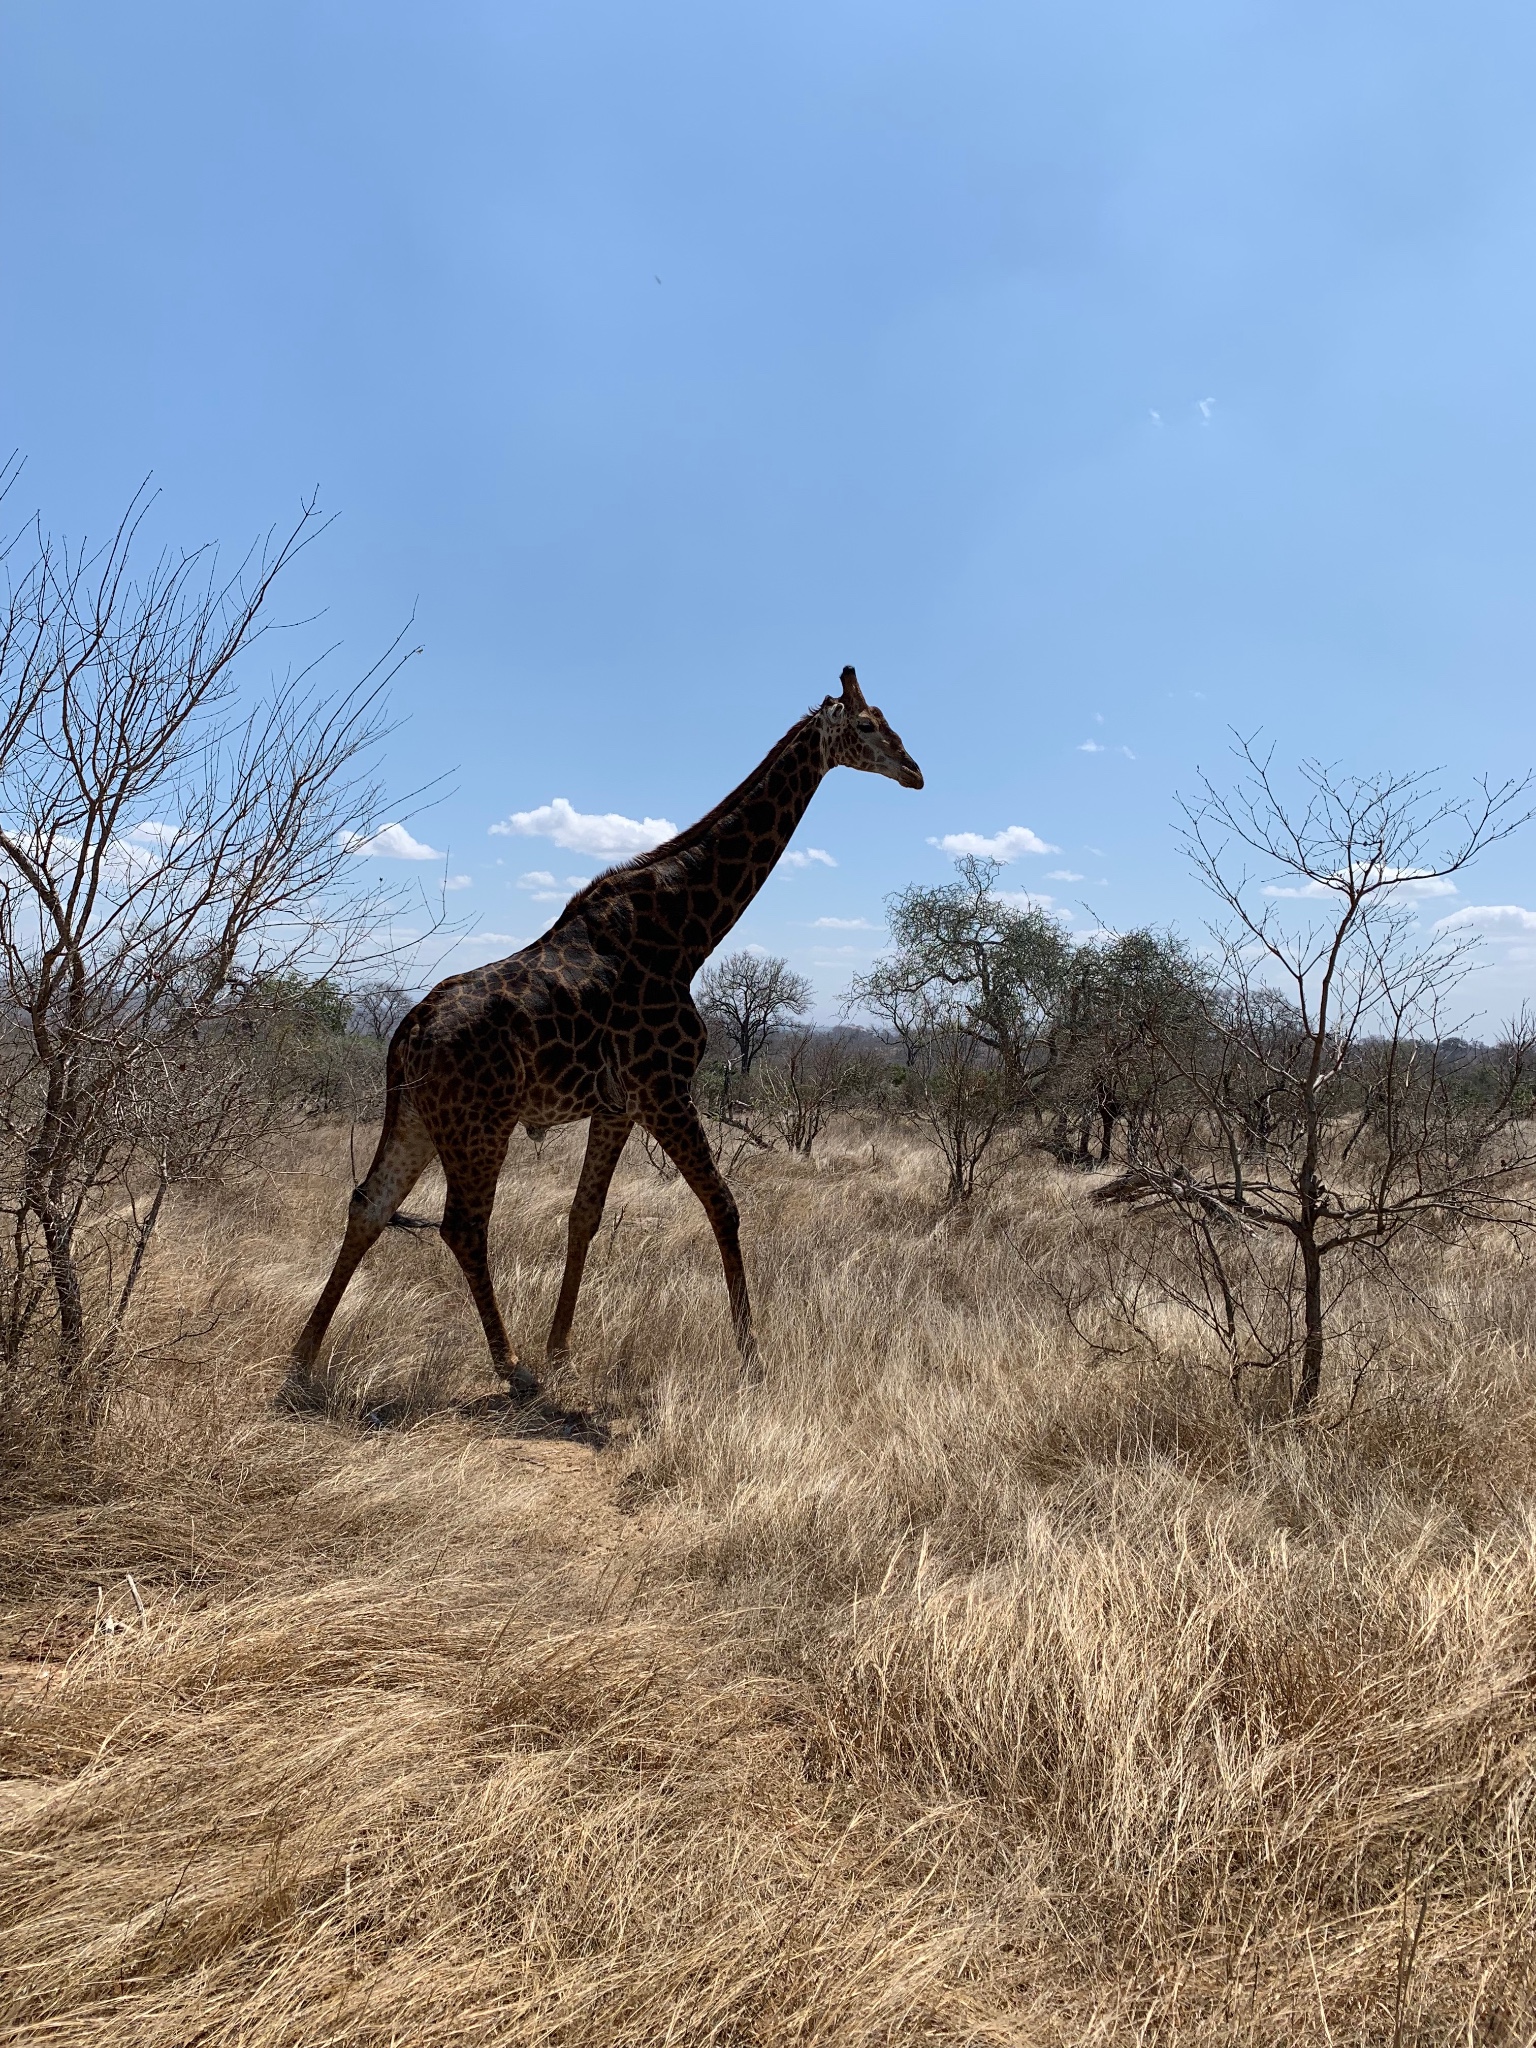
[(946, 1687)]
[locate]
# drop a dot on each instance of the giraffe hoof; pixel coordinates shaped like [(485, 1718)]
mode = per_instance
[(520, 1382), (301, 1394)]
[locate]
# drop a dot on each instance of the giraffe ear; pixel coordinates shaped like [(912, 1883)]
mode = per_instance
[(853, 696)]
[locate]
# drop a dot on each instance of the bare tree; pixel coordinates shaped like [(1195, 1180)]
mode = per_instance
[(955, 1084), (750, 996), (1326, 1102), (167, 853), (798, 1089), (377, 1008)]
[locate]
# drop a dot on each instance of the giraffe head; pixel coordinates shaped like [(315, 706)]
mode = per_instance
[(856, 735)]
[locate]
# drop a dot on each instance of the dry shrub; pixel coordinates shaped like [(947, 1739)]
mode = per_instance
[(950, 1685)]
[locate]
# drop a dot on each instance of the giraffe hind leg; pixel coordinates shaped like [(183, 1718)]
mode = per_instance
[(606, 1136), (464, 1229), (403, 1154)]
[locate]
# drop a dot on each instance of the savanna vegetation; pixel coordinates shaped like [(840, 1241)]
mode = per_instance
[(1110, 1616), (956, 1682)]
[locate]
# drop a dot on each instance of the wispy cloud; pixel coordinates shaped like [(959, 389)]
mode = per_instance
[(543, 887), (845, 924), (1413, 882), (1494, 920), (1006, 845), (605, 834), (390, 842), (487, 939), (1028, 899), (1062, 875), (801, 857), (459, 882), (1098, 747), (1205, 407)]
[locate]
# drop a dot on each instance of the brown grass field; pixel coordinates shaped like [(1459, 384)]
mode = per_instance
[(949, 1686)]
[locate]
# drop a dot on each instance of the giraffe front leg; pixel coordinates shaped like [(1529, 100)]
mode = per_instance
[(676, 1127), (606, 1138)]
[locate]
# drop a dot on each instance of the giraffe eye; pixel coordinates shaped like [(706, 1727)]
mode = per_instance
[(866, 725)]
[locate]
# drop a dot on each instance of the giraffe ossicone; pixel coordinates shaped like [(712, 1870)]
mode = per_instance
[(593, 1020)]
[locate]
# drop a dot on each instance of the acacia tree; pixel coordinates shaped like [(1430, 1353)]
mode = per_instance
[(1328, 1107), (1128, 998), (168, 853), (963, 958), (977, 995)]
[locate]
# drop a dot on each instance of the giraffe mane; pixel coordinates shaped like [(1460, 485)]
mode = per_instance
[(690, 836)]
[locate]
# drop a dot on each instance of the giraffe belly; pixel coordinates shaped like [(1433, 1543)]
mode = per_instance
[(544, 1104)]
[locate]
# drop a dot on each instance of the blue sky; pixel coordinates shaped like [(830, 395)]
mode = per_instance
[(1095, 378)]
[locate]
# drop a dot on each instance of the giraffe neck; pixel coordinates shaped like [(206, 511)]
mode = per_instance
[(688, 894)]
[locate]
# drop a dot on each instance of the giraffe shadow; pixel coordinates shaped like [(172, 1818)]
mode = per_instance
[(500, 1415)]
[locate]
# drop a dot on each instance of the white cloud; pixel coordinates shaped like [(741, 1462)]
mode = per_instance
[(153, 833), (390, 842), (605, 834), (846, 924), (1005, 845), (1028, 899), (459, 882), (1091, 747), (1206, 407), (543, 887), (1495, 920), (1413, 882), (1062, 875), (798, 858), (1127, 753), (487, 939)]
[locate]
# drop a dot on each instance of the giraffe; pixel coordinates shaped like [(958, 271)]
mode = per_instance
[(592, 1020)]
